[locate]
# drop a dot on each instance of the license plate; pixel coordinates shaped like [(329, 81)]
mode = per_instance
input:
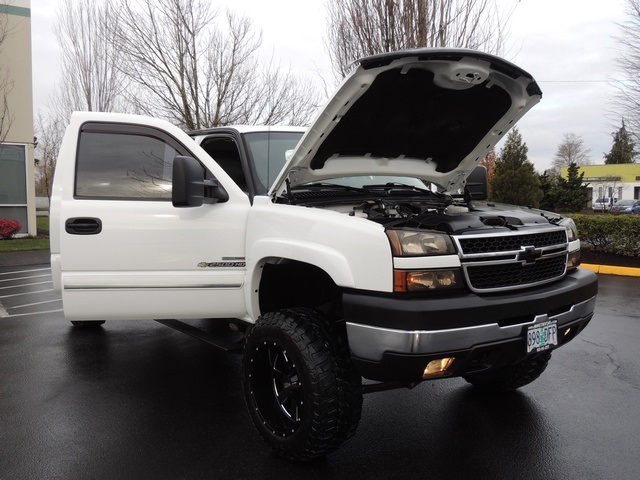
[(542, 336)]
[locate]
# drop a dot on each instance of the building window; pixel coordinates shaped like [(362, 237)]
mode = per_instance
[(13, 183)]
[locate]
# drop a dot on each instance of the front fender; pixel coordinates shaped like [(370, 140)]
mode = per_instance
[(329, 260), (353, 251)]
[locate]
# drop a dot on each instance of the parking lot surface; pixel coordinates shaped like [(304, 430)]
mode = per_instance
[(137, 400)]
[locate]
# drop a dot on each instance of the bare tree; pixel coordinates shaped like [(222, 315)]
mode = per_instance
[(199, 71), (49, 131), (91, 79), (359, 28), (628, 93), (571, 150)]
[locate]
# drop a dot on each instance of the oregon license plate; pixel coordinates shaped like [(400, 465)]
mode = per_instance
[(542, 336)]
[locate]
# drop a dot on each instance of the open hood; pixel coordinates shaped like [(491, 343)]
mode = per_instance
[(431, 114)]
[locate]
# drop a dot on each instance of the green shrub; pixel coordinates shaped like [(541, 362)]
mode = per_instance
[(618, 234)]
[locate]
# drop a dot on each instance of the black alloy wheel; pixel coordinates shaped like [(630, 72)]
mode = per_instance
[(301, 388), (276, 388)]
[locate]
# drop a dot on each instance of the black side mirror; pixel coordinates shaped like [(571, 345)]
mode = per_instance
[(188, 183), (478, 183), (189, 186)]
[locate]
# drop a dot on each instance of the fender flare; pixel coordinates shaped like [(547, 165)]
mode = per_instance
[(331, 261)]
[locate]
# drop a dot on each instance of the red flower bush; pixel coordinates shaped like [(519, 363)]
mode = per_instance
[(8, 228)]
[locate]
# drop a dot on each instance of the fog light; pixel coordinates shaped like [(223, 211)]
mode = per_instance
[(437, 367)]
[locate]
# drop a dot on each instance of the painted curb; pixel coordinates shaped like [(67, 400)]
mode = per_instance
[(613, 270)]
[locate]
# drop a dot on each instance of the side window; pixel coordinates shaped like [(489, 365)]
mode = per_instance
[(224, 151), (134, 163)]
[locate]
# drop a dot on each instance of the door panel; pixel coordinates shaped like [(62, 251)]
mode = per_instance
[(126, 252)]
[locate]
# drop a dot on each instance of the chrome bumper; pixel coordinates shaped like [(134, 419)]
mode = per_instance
[(370, 343)]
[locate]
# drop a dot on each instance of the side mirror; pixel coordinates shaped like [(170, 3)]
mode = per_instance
[(187, 183), (478, 183), (189, 186)]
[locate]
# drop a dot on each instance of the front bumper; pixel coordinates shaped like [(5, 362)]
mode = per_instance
[(393, 339)]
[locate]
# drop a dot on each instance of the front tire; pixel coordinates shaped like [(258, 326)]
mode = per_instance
[(513, 377), (301, 388)]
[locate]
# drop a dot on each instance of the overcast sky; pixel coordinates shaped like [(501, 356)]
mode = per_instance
[(567, 45)]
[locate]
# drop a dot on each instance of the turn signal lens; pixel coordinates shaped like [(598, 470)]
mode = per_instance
[(437, 367), (426, 280), (573, 260)]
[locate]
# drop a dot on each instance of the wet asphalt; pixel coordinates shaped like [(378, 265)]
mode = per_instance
[(138, 400)]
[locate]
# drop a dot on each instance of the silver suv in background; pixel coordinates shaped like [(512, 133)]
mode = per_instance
[(604, 204)]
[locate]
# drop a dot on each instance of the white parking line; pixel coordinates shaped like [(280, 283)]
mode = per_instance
[(29, 314), (24, 278), (15, 276), (27, 271), (25, 285), (26, 293), (35, 303)]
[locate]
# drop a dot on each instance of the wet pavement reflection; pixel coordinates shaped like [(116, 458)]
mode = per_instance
[(133, 400)]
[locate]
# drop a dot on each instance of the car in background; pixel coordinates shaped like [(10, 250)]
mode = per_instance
[(626, 206), (603, 204)]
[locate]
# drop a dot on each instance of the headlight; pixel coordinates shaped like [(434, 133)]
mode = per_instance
[(573, 259), (412, 243), (570, 226)]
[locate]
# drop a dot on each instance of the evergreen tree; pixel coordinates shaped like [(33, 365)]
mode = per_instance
[(515, 180), (623, 149), (568, 195), (547, 185)]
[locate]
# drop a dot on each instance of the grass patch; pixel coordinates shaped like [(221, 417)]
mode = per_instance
[(41, 242), (24, 244), (43, 224)]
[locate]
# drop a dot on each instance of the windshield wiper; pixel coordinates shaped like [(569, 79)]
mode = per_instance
[(319, 185)]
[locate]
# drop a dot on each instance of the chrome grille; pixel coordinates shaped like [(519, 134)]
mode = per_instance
[(493, 263), (476, 245)]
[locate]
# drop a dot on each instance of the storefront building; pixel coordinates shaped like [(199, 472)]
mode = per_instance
[(619, 181)]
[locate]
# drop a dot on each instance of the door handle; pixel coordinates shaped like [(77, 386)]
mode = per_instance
[(83, 226)]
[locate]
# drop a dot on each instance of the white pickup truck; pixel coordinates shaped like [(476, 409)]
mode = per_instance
[(360, 247)]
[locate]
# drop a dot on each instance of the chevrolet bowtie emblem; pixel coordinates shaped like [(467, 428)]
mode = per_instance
[(529, 255)]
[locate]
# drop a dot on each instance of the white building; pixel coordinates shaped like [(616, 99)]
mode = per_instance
[(17, 189)]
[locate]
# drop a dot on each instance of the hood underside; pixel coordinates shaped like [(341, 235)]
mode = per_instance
[(431, 114)]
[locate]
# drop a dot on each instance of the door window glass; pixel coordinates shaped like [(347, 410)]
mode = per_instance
[(116, 165)]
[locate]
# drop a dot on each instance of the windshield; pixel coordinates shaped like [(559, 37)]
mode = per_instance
[(625, 203), (270, 151)]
